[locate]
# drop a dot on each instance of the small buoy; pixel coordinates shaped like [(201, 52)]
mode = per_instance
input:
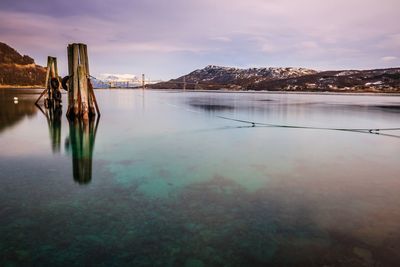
[(15, 102), (15, 98)]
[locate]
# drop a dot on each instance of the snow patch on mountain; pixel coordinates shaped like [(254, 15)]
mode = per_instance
[(219, 74)]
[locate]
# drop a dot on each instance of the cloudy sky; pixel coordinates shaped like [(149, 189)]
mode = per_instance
[(168, 38)]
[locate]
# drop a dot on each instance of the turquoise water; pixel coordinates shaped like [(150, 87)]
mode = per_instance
[(162, 180)]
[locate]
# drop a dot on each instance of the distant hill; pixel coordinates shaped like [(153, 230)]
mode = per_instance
[(288, 79), (17, 70)]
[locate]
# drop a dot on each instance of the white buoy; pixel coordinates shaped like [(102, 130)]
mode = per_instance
[(15, 98), (15, 102)]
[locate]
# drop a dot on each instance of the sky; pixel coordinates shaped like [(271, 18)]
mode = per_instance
[(168, 38)]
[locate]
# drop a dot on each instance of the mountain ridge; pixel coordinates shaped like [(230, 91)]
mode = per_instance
[(287, 79), (18, 70)]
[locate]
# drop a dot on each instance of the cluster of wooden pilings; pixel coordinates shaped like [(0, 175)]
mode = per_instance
[(82, 109), (52, 86), (82, 103), (81, 99)]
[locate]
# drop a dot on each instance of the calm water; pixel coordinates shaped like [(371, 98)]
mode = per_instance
[(161, 180)]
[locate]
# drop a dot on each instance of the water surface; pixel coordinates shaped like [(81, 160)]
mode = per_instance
[(162, 180)]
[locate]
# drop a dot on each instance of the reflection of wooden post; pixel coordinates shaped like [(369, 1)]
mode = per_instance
[(54, 123), (81, 140), (82, 101), (53, 117), (52, 85)]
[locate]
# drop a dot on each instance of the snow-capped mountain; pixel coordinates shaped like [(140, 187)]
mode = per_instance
[(218, 74), (288, 79)]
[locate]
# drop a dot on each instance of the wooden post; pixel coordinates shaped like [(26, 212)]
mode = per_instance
[(85, 63), (52, 75), (70, 73), (91, 93), (83, 89), (75, 78), (48, 75), (81, 96), (55, 67)]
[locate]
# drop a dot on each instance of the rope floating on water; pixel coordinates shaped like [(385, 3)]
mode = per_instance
[(372, 130)]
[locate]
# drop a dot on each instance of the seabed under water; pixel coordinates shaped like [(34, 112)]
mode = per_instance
[(163, 180)]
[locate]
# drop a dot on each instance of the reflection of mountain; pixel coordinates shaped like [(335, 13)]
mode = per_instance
[(11, 113), (212, 107), (80, 142)]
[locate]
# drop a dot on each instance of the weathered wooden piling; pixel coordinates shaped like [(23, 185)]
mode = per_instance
[(52, 85), (81, 99)]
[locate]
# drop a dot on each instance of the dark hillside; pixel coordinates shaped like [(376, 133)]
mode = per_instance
[(17, 70)]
